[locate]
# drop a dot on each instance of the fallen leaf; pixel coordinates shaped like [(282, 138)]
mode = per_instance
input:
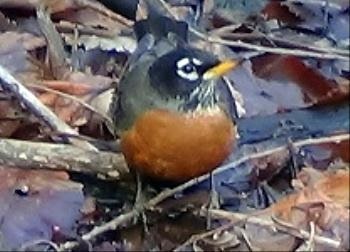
[(35, 202), (335, 185), (10, 117), (263, 238), (315, 88), (5, 24), (14, 54), (322, 199), (92, 18), (323, 155), (280, 12), (332, 187), (69, 87), (83, 87), (117, 43)]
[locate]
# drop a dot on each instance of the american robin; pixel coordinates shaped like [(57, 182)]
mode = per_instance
[(173, 121)]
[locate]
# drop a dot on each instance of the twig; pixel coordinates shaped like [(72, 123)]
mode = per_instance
[(227, 29), (56, 53), (253, 36), (286, 51), (248, 242), (66, 27), (29, 245), (334, 4), (276, 225), (301, 143), (34, 105), (113, 224), (240, 44), (110, 225), (169, 192), (105, 11), (28, 155), (311, 241), (201, 236), (71, 97), (290, 229)]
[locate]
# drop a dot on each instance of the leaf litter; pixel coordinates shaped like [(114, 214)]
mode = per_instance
[(285, 188)]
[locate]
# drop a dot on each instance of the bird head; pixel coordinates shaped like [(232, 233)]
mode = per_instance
[(189, 75)]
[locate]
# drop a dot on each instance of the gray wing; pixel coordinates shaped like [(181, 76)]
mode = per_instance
[(118, 108), (134, 94)]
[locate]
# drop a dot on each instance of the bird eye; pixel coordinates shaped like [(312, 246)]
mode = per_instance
[(189, 68), (186, 70)]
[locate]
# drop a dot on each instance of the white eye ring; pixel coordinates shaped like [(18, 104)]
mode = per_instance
[(182, 62), (197, 62), (192, 76)]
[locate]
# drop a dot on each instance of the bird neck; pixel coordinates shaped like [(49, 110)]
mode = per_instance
[(204, 97)]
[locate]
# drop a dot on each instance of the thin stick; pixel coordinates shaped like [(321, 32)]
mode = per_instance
[(34, 105), (319, 2), (277, 225), (110, 225), (197, 237), (254, 36), (73, 98), (300, 233), (113, 224), (31, 244), (240, 44), (53, 156), (66, 27), (169, 192), (105, 11), (56, 53), (285, 51), (311, 241), (301, 143)]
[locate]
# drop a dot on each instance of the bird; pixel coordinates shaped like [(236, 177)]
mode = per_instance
[(173, 119)]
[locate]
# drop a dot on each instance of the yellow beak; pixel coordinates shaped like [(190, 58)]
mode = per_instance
[(221, 69)]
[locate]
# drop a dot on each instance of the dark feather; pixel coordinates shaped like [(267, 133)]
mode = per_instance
[(126, 8), (160, 26)]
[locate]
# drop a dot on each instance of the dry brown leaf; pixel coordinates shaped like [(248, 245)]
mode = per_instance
[(33, 203), (9, 118), (335, 185), (5, 23), (28, 41), (14, 54), (280, 12), (315, 87), (92, 18), (270, 165), (68, 87), (53, 5), (263, 238), (83, 87), (331, 187), (66, 109), (322, 199)]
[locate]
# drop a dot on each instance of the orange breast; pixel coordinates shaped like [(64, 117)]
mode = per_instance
[(176, 147)]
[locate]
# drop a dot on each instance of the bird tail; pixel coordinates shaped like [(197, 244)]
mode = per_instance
[(158, 24)]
